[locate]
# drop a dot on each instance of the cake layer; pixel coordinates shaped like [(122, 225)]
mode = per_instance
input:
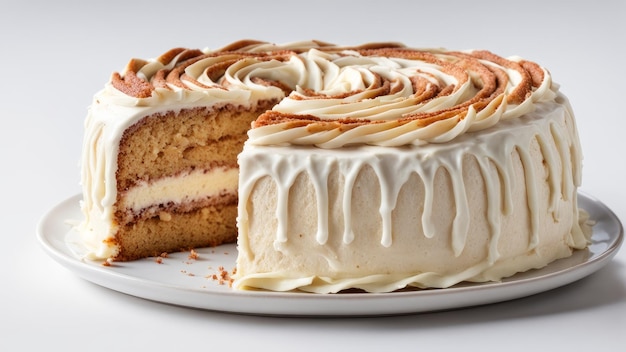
[(172, 232), (173, 142), (481, 207)]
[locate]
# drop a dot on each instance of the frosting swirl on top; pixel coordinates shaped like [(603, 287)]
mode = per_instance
[(331, 96)]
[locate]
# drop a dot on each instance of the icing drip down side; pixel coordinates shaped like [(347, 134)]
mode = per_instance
[(393, 167)]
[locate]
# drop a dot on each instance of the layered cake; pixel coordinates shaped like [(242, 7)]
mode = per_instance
[(373, 167)]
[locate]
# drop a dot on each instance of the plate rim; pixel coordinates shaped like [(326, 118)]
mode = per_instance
[(343, 304)]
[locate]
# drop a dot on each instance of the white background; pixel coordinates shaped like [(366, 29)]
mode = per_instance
[(54, 55)]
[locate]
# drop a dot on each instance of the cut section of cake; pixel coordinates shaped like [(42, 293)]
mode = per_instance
[(159, 170)]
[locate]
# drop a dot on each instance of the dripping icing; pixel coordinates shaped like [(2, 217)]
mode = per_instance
[(400, 163)]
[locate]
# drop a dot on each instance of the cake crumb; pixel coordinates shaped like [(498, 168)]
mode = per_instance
[(159, 259), (193, 254), (223, 277)]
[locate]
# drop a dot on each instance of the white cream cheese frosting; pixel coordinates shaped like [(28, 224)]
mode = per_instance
[(404, 99), (380, 219)]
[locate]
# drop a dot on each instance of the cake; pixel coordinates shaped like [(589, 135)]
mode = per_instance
[(374, 167)]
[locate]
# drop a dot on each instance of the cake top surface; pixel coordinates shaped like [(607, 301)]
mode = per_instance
[(331, 96)]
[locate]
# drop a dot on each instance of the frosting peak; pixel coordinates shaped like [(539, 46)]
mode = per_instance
[(399, 96)]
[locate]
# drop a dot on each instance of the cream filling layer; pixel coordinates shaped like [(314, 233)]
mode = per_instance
[(188, 187)]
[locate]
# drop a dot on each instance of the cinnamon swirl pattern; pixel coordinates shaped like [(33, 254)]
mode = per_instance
[(330, 96)]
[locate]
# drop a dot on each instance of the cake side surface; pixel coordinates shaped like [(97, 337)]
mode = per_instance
[(483, 207)]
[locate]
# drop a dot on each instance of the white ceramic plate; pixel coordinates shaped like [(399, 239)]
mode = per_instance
[(187, 282)]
